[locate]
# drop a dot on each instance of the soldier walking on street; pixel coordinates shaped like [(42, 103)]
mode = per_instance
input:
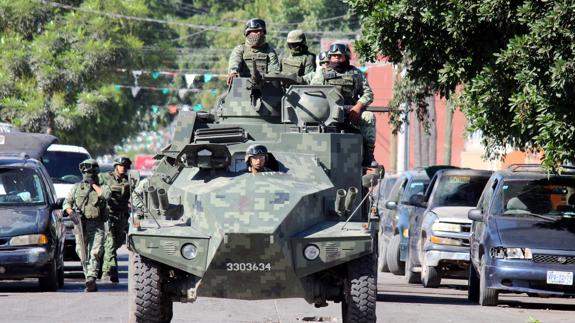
[(118, 213), (86, 207), (299, 60), (255, 48), (357, 94)]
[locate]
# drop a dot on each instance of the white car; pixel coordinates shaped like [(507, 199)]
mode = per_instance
[(62, 163)]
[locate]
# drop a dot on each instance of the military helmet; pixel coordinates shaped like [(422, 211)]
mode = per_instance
[(323, 57), (338, 48), (296, 36), (89, 166), (255, 24), (124, 161), (254, 150)]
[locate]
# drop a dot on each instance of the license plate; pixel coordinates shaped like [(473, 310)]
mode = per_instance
[(560, 277)]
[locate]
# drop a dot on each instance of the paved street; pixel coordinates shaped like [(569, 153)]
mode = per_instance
[(397, 302)]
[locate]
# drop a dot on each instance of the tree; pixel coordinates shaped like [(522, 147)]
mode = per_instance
[(515, 60)]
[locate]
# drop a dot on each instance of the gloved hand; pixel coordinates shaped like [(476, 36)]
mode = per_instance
[(231, 76), (91, 181), (75, 217), (355, 114)]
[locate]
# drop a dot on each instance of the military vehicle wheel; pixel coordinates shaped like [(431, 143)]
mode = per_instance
[(131, 287), (410, 276), (360, 291), (473, 285), (487, 296), (396, 266), (151, 301), (50, 282), (381, 256)]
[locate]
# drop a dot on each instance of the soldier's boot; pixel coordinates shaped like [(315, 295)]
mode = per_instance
[(91, 285), (113, 273)]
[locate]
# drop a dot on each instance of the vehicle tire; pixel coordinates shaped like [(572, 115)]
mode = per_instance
[(131, 287), (61, 274), (360, 291), (410, 276), (487, 296), (430, 276), (473, 285), (50, 282), (152, 303), (381, 257), (396, 266)]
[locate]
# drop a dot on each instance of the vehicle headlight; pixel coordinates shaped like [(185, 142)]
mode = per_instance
[(189, 251), (29, 239), (446, 241), (311, 252), (511, 253), (406, 233), (447, 227)]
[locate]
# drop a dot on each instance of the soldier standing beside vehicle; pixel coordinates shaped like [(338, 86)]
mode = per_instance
[(118, 213), (299, 61), (255, 48), (357, 94), (86, 204), (256, 159)]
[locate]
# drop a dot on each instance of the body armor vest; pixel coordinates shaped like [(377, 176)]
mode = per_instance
[(293, 65), (261, 57), (87, 201), (347, 83), (120, 188)]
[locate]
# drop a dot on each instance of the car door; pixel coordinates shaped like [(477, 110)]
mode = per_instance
[(417, 218), (477, 227), (388, 218)]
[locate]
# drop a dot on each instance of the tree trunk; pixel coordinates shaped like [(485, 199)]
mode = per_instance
[(393, 153), (416, 141), (432, 142), (448, 133)]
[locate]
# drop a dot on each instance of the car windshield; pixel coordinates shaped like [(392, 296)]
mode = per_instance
[(20, 186), (459, 190), (416, 186), (553, 196), (63, 166)]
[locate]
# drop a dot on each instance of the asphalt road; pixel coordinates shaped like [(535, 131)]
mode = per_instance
[(21, 301)]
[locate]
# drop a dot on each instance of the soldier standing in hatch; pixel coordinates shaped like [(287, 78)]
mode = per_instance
[(356, 93), (299, 61), (323, 61), (256, 159), (254, 48), (118, 213), (87, 200)]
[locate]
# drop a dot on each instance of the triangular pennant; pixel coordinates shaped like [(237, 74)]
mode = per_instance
[(166, 91), (136, 74), (190, 79), (135, 91), (155, 74), (198, 107), (207, 77), (182, 93), (363, 68)]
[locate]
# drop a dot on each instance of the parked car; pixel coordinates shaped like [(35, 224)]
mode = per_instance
[(439, 236), (31, 228), (62, 163), (523, 235), (394, 215)]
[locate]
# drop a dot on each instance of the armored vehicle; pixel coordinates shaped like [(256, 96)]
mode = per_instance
[(301, 229)]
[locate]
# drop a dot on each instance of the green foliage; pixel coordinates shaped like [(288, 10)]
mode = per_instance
[(515, 60)]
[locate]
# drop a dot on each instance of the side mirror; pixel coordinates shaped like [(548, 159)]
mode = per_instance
[(59, 203), (391, 205), (418, 200), (475, 215)]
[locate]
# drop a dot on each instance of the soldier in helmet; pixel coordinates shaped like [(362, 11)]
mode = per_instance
[(256, 158), (87, 200), (354, 88), (255, 48), (299, 60), (323, 59), (118, 213)]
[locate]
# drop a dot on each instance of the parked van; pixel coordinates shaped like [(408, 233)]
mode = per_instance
[(62, 163)]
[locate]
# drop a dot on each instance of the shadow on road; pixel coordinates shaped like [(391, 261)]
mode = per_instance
[(419, 298)]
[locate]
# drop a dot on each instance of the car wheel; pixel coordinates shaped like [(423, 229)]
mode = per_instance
[(360, 291), (50, 282), (487, 296), (472, 285), (410, 276), (381, 257), (430, 275), (151, 302), (396, 266)]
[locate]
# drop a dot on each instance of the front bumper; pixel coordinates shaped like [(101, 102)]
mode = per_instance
[(526, 276), (434, 254), (25, 262)]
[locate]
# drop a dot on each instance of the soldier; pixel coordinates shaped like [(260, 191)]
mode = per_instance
[(138, 195), (254, 48), (299, 61), (323, 61), (357, 94), (118, 213), (86, 206), (256, 158)]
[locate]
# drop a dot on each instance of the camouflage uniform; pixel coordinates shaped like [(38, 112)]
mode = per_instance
[(92, 208), (241, 60), (138, 194), (299, 64), (118, 213), (354, 88)]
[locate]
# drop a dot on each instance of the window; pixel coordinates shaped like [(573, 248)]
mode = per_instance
[(20, 186)]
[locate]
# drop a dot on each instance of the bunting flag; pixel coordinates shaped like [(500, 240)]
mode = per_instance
[(214, 92), (198, 107), (166, 91), (363, 68), (190, 79), (182, 93), (208, 77), (135, 90), (155, 74)]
